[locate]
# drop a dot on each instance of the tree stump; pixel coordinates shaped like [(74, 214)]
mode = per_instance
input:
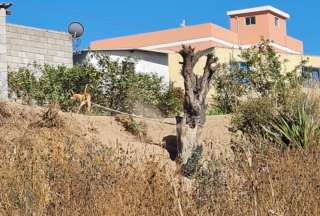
[(189, 127)]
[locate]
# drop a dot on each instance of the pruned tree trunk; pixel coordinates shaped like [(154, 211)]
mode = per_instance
[(189, 127)]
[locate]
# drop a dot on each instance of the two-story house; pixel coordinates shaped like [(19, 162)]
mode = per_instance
[(157, 51)]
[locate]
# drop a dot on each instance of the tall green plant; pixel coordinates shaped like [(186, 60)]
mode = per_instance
[(299, 131)]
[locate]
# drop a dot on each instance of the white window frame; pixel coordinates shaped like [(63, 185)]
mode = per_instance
[(277, 21), (251, 18)]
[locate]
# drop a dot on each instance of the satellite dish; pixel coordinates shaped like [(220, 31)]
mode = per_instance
[(76, 29)]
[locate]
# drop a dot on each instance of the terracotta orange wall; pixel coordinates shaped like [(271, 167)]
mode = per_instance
[(294, 44), (277, 33), (250, 34), (264, 27)]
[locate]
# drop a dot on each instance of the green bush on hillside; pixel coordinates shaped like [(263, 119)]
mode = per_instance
[(114, 84), (55, 84), (274, 105), (24, 85), (259, 75), (253, 114), (171, 101)]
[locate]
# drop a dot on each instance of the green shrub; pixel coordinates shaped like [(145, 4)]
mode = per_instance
[(261, 75), (24, 84), (289, 95), (215, 110), (55, 84), (119, 83), (229, 88), (60, 83), (124, 87), (171, 101), (271, 99), (291, 118), (113, 84), (147, 89), (263, 68), (253, 114), (138, 129), (192, 166)]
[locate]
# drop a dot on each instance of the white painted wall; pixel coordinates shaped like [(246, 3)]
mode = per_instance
[(146, 61)]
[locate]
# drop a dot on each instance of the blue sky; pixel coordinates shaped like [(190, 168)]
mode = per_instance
[(106, 18)]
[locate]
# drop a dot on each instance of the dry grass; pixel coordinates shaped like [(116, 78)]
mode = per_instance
[(5, 112), (265, 182), (56, 171), (51, 118), (138, 129), (313, 100)]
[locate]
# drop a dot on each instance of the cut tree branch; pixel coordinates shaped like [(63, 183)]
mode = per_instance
[(202, 53)]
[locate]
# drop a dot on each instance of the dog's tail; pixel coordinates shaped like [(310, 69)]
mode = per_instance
[(85, 89)]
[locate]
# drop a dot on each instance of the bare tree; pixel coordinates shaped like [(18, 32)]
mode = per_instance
[(189, 127)]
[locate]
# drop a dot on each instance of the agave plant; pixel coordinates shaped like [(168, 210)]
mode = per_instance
[(298, 131)]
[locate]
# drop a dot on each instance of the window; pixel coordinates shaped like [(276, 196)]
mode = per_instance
[(315, 74), (239, 66), (310, 75), (276, 21), (242, 69), (250, 20), (244, 66)]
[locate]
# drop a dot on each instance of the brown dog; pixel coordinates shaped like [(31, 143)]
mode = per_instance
[(84, 99)]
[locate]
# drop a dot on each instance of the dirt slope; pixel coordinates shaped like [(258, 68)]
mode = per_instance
[(107, 131)]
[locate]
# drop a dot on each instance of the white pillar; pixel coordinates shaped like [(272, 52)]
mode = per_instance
[(3, 56)]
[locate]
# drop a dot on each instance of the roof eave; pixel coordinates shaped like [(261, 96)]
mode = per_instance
[(259, 9)]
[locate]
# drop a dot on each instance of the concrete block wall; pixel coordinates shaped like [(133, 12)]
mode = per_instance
[(28, 45), (3, 56)]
